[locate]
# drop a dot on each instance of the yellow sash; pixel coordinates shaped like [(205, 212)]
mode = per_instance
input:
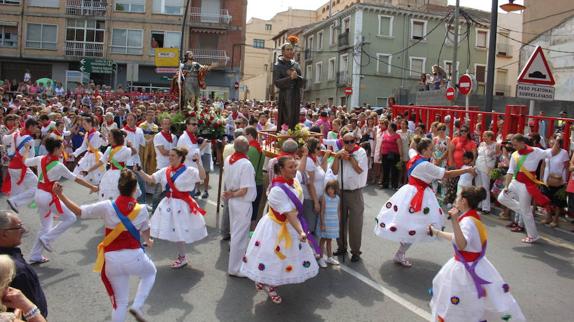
[(284, 232), (527, 173), (481, 230), (95, 151), (111, 237)]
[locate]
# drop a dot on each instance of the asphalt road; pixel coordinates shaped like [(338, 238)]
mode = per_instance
[(541, 277)]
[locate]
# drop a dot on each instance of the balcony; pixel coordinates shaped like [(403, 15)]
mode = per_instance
[(501, 90), (84, 49), (503, 50), (343, 40), (209, 17), (86, 7), (343, 79), (211, 57)]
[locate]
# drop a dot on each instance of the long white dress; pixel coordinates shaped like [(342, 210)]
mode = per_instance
[(269, 260), (455, 297), (109, 183), (397, 221), (173, 220), (89, 159)]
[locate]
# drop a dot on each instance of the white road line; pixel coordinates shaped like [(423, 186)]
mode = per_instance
[(212, 203), (388, 293)]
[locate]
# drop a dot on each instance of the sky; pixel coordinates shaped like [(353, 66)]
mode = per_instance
[(266, 9)]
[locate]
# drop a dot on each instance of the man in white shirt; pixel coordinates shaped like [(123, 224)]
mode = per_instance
[(188, 139), (521, 185), (351, 166), (163, 142), (240, 191), (136, 139)]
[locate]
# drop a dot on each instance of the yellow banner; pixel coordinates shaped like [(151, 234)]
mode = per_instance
[(166, 57)]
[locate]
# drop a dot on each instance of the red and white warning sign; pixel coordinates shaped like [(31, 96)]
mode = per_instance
[(465, 84), (450, 93), (537, 71)]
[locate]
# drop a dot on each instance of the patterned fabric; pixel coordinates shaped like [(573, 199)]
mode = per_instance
[(331, 220)]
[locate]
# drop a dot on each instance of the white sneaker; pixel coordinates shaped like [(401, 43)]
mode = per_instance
[(322, 262), (137, 314), (46, 244), (333, 261)]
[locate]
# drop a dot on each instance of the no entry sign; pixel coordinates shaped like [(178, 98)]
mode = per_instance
[(465, 84), (348, 91), (450, 93)]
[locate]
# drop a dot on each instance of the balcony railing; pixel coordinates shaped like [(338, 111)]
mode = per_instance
[(202, 16), (503, 50), (502, 89), (343, 39), (84, 49), (86, 7), (343, 78), (211, 57)]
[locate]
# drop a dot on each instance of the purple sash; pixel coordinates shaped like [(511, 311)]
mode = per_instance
[(471, 269), (299, 205)]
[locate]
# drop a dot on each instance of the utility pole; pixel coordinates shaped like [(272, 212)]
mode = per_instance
[(453, 66), (491, 59)]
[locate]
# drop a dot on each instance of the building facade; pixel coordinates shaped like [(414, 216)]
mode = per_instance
[(259, 49), (331, 7), (51, 38), (508, 45), (379, 51)]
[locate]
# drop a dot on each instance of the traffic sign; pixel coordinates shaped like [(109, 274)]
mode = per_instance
[(236, 85), (535, 92), (450, 93), (465, 84), (348, 91), (537, 71), (100, 66), (166, 57)]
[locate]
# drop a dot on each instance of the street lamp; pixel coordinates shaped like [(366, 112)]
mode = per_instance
[(508, 7)]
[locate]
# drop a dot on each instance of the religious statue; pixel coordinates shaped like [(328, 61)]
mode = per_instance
[(287, 77), (193, 79)]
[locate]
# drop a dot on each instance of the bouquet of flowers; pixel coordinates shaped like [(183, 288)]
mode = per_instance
[(300, 134), (210, 123), (496, 173)]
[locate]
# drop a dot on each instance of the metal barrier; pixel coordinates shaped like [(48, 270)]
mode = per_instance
[(516, 119)]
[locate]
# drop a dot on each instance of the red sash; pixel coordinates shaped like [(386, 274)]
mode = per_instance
[(236, 156), (17, 161), (417, 201), (277, 215), (537, 195), (47, 185), (185, 196), (167, 136), (467, 256)]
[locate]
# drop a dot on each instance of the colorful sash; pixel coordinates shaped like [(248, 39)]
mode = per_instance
[(46, 164), (125, 225), (115, 164), (420, 185), (471, 259), (92, 149), (173, 192), (299, 205), (529, 180), (16, 162)]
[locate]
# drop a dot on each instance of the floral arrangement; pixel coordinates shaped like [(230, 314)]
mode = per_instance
[(210, 123), (300, 134), (497, 173)]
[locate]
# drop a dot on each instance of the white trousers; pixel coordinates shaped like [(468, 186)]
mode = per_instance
[(240, 220), (48, 232), (120, 266), (22, 194), (483, 179), (519, 200)]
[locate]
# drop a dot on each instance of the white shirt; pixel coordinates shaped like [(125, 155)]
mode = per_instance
[(54, 174), (123, 155), (192, 149), (351, 179), (158, 140), (137, 140), (45, 129), (318, 183), (185, 182), (531, 162), (95, 140), (238, 175), (279, 201), (11, 145), (428, 172), (555, 165), (465, 180), (104, 210), (470, 232)]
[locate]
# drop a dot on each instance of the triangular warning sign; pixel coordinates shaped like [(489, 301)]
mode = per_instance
[(537, 71)]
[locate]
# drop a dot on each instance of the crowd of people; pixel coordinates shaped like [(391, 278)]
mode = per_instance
[(281, 212)]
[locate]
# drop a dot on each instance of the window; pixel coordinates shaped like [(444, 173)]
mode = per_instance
[(41, 36), (448, 67), (164, 39), (168, 7), (481, 36), (8, 36), (417, 66), (344, 63), (450, 35), (83, 30), (386, 26), (268, 26), (418, 29), (309, 74), (346, 24), (332, 35), (127, 41), (383, 64), (9, 1), (130, 5), (43, 3), (320, 40), (480, 73), (331, 69), (318, 72), (311, 45), (258, 43)]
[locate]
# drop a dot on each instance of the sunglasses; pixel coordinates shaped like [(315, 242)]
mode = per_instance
[(349, 142)]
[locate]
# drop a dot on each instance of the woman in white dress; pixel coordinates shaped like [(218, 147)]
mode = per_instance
[(278, 252), (468, 287), (92, 142), (488, 150), (178, 218), (407, 214)]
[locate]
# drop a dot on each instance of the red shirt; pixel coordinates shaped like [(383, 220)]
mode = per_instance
[(389, 144), (461, 145)]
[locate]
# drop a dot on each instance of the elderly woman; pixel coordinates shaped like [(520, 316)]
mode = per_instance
[(485, 162)]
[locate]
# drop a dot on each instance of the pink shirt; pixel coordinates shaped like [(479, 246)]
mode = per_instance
[(389, 144)]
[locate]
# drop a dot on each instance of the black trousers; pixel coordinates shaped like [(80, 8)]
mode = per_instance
[(390, 171)]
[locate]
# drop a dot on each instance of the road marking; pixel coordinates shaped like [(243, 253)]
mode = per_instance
[(212, 203), (388, 293)]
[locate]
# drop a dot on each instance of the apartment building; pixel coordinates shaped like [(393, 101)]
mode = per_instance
[(331, 7), (51, 38), (507, 53), (259, 50)]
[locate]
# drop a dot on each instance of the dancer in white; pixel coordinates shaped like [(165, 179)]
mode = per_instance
[(92, 142), (468, 287), (120, 254), (51, 170), (178, 218), (407, 214), (278, 252), (22, 181), (240, 192)]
